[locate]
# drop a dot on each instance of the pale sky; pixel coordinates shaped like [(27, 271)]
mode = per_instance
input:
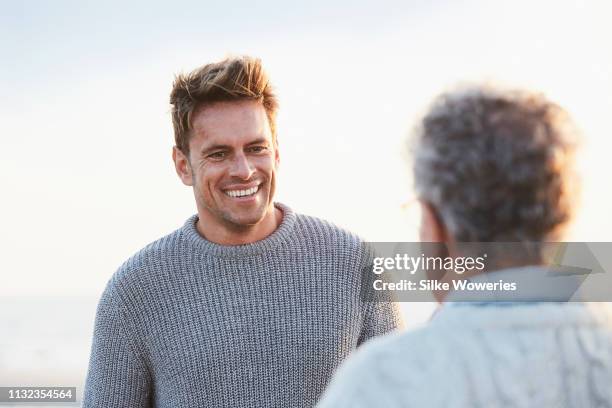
[(85, 169)]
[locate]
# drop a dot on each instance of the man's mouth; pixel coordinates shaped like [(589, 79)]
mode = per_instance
[(242, 193)]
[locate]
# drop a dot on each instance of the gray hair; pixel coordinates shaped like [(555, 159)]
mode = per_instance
[(497, 165)]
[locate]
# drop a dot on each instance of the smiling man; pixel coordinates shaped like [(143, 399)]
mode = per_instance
[(249, 304), (232, 171)]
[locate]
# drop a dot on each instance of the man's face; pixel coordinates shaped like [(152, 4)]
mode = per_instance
[(233, 161)]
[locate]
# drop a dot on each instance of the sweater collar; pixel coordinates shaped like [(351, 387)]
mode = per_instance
[(272, 241)]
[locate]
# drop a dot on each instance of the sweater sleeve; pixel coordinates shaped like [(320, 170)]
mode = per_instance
[(380, 317), (117, 375), (381, 314)]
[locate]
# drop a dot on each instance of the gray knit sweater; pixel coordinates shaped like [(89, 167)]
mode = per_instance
[(189, 323)]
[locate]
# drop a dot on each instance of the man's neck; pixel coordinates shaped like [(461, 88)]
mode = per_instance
[(243, 235)]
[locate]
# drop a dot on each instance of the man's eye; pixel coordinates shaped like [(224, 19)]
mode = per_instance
[(258, 149), (216, 155)]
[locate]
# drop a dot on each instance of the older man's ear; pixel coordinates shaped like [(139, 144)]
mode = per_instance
[(432, 228)]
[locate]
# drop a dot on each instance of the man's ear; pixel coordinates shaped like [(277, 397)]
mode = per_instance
[(432, 228), (182, 166), (276, 153)]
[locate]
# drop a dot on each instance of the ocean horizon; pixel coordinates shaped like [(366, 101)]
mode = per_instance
[(46, 341)]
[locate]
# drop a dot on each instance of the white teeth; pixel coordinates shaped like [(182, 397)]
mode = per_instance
[(242, 193)]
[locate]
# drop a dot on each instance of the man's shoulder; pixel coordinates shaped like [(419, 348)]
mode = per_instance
[(316, 228), (391, 368), (403, 349), (373, 374), (325, 238), (147, 263)]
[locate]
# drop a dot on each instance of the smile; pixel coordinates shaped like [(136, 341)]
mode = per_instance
[(242, 193)]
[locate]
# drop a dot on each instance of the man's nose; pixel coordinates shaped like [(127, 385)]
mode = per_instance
[(241, 167)]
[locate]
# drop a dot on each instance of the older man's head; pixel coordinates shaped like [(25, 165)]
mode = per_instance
[(495, 166)]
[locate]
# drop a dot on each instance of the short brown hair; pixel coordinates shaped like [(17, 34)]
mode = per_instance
[(232, 79)]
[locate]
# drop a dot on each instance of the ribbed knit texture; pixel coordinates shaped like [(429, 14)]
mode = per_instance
[(472, 356), (189, 323)]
